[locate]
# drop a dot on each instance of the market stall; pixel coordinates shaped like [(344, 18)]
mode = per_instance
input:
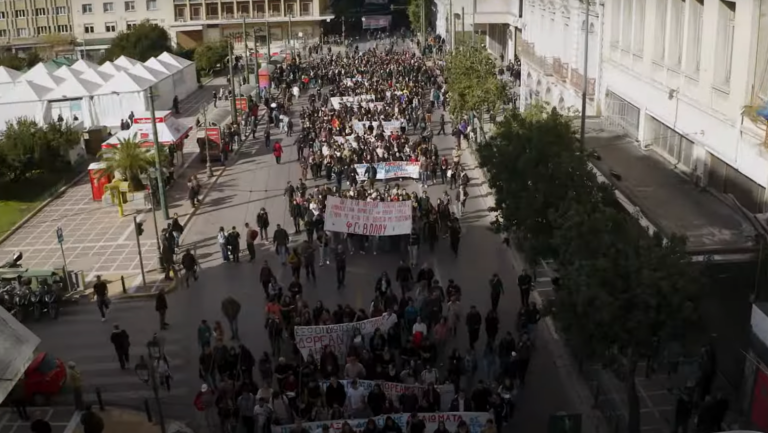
[(170, 131)]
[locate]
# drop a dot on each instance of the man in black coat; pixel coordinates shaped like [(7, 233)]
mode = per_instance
[(335, 394), (122, 342), (474, 321)]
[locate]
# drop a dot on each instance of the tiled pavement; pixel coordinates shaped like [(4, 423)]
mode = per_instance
[(59, 418)]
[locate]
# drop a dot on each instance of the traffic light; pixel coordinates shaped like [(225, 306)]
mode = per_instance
[(140, 228)]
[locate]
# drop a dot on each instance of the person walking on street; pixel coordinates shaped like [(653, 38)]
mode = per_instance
[(278, 152), (101, 293), (497, 289), (280, 239), (161, 306), (441, 131), (525, 284), (341, 266), (222, 238), (262, 221), (75, 381), (233, 242), (308, 259), (122, 343), (251, 235), (190, 265), (230, 308), (265, 276), (473, 321), (267, 136), (413, 246)]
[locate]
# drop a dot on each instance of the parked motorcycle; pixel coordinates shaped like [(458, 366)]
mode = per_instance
[(14, 261), (45, 300)]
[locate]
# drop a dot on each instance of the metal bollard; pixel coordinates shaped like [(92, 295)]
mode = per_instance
[(100, 399), (147, 410), (122, 282)]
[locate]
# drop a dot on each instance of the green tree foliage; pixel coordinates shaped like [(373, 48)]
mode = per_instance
[(414, 14), (470, 74), (31, 59), (12, 61), (210, 55), (342, 8), (28, 149), (142, 42), (130, 159), (624, 293)]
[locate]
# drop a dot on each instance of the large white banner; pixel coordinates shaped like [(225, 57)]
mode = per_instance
[(392, 126), (336, 101), (312, 339), (475, 421), (395, 390), (373, 218), (390, 170)]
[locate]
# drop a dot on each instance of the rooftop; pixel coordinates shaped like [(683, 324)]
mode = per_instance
[(17, 346), (671, 202)]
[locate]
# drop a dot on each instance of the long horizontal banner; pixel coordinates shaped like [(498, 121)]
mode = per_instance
[(390, 127), (336, 101), (373, 218), (395, 390), (475, 421), (390, 170), (312, 339)]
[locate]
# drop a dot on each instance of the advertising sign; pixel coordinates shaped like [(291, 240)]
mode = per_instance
[(241, 103), (213, 134), (475, 421), (312, 339), (391, 170), (373, 218)]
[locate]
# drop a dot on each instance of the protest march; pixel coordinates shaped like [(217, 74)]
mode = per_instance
[(475, 422), (312, 339)]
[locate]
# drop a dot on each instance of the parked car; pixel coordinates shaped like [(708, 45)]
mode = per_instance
[(43, 378)]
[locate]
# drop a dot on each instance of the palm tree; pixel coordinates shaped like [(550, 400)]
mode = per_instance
[(128, 161)]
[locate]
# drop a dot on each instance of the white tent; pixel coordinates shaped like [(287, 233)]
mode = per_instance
[(84, 65), (7, 77), (161, 66), (24, 99), (126, 62), (96, 76), (124, 93), (67, 73), (163, 88), (185, 80), (74, 87), (111, 68), (39, 74)]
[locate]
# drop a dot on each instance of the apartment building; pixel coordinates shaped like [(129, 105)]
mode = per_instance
[(97, 22), (195, 21), (551, 52), (25, 25), (496, 22)]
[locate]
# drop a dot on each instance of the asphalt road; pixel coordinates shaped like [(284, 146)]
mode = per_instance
[(255, 181)]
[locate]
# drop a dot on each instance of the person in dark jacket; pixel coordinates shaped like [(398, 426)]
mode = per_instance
[(91, 421), (473, 321), (376, 400), (460, 403), (491, 325), (40, 426), (262, 222), (161, 306), (265, 276), (122, 343), (390, 426), (404, 277), (335, 394)]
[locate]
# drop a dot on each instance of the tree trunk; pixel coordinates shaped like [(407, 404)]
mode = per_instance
[(633, 401)]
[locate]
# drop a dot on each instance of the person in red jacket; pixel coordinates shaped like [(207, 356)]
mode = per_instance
[(278, 152)]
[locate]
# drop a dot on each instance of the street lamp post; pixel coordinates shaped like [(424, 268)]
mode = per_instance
[(147, 373), (245, 41), (208, 167), (232, 104), (290, 32), (584, 87), (158, 166)]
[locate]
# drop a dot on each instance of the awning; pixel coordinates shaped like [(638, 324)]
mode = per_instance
[(171, 131)]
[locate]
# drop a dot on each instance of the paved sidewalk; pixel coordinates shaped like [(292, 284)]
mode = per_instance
[(60, 418)]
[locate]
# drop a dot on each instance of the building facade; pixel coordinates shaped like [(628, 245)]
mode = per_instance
[(496, 22), (299, 21), (97, 22), (27, 25), (551, 52), (680, 77)]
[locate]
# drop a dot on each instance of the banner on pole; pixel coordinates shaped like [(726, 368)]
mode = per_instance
[(475, 421), (336, 101), (373, 218), (312, 339), (390, 170)]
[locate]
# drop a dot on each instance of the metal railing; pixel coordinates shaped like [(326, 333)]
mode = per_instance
[(577, 82), (542, 63)]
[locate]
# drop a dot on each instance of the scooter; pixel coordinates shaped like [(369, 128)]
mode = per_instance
[(14, 261), (45, 300)]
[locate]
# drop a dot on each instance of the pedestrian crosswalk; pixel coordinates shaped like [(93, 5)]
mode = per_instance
[(81, 337)]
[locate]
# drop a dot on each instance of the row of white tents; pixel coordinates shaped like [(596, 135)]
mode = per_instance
[(94, 94)]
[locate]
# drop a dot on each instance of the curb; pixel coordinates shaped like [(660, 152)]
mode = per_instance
[(39, 208), (141, 296)]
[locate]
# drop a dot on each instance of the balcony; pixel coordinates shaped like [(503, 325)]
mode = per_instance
[(527, 52), (559, 69), (212, 17), (196, 18), (577, 82), (274, 14)]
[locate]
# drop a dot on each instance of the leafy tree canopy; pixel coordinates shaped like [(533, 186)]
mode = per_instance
[(211, 54), (28, 148), (12, 61), (31, 59), (342, 8), (414, 14), (142, 42), (131, 159), (473, 84)]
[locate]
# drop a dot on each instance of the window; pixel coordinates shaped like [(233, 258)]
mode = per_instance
[(291, 7), (693, 38), (130, 24), (41, 12), (306, 9), (615, 23), (130, 6), (60, 10), (726, 16), (638, 28), (110, 27), (87, 8), (2, 15), (43, 30), (660, 31), (109, 7), (22, 33), (63, 28), (670, 143), (88, 28), (151, 5), (675, 37), (3, 33), (21, 13), (626, 24)]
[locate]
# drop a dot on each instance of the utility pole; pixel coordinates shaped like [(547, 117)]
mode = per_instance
[(232, 104), (256, 65), (423, 24), (290, 34), (453, 27), (462, 23), (584, 86), (208, 167), (138, 230), (158, 166), (343, 28), (474, 11), (247, 57), (450, 23), (269, 50)]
